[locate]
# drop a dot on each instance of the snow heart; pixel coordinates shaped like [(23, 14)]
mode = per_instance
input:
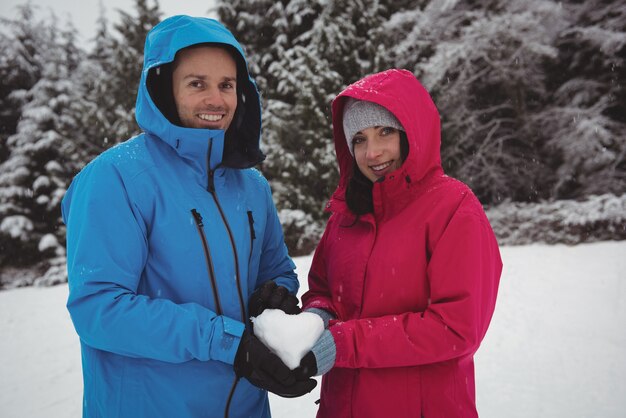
[(290, 337)]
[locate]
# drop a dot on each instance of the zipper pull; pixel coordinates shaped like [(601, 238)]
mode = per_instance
[(197, 217), (211, 187), (251, 223)]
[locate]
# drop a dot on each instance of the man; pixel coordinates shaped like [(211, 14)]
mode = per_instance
[(170, 233)]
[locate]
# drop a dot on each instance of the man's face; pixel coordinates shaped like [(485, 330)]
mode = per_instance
[(205, 87)]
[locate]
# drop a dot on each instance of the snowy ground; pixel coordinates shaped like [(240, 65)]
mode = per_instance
[(556, 346)]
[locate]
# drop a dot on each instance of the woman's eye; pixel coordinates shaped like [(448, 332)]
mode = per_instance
[(228, 86), (387, 130), (195, 84), (357, 140)]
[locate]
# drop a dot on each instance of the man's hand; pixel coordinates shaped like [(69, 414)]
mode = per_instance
[(265, 370), (271, 296), (307, 368)]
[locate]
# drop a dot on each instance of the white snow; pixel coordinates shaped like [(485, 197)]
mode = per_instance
[(555, 347), (48, 241), (16, 226), (289, 336)]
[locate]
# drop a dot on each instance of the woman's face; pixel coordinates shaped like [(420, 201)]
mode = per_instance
[(377, 151)]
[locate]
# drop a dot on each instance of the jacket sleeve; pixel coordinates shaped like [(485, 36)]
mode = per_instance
[(318, 296), (107, 251), (275, 263), (464, 272)]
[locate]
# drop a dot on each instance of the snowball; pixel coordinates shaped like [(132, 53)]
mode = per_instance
[(290, 337)]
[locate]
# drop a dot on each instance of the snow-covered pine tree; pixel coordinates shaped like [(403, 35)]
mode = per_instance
[(19, 68), (268, 29), (483, 63), (100, 119), (304, 53), (584, 124), (72, 53), (126, 63), (39, 165)]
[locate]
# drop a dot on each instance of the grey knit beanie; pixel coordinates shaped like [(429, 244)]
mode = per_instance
[(361, 114)]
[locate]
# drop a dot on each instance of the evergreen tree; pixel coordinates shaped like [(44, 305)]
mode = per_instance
[(71, 52), (268, 32), (531, 93), (102, 117), (336, 51), (126, 63), (584, 125), (304, 53), (483, 64), (20, 68), (40, 162)]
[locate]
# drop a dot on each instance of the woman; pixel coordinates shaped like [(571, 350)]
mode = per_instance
[(406, 273)]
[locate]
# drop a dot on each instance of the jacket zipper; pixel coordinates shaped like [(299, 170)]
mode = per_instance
[(207, 254), (211, 189), (252, 235), (232, 243)]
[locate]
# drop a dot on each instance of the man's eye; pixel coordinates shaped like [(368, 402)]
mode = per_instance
[(228, 86), (195, 84)]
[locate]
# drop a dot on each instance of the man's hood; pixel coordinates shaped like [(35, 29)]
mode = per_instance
[(155, 110), (403, 95)]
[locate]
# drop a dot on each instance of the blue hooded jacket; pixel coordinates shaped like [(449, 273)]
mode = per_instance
[(168, 234)]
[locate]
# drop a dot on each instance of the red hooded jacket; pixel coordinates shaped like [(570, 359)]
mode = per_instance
[(413, 285)]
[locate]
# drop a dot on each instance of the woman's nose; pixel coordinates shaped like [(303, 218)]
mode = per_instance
[(373, 151)]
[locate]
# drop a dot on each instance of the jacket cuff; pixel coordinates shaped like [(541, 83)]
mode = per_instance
[(225, 341), (325, 315), (290, 283), (325, 352)]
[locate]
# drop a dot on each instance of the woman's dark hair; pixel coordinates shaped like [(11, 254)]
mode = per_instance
[(359, 188)]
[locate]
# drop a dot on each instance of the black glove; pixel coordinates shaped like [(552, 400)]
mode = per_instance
[(307, 367), (271, 296), (265, 370)]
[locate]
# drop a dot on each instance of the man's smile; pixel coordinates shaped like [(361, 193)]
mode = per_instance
[(210, 117)]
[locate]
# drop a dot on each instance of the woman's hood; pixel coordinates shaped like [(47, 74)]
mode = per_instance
[(155, 110), (403, 95)]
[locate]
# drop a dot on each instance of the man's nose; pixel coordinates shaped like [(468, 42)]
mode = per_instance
[(212, 97)]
